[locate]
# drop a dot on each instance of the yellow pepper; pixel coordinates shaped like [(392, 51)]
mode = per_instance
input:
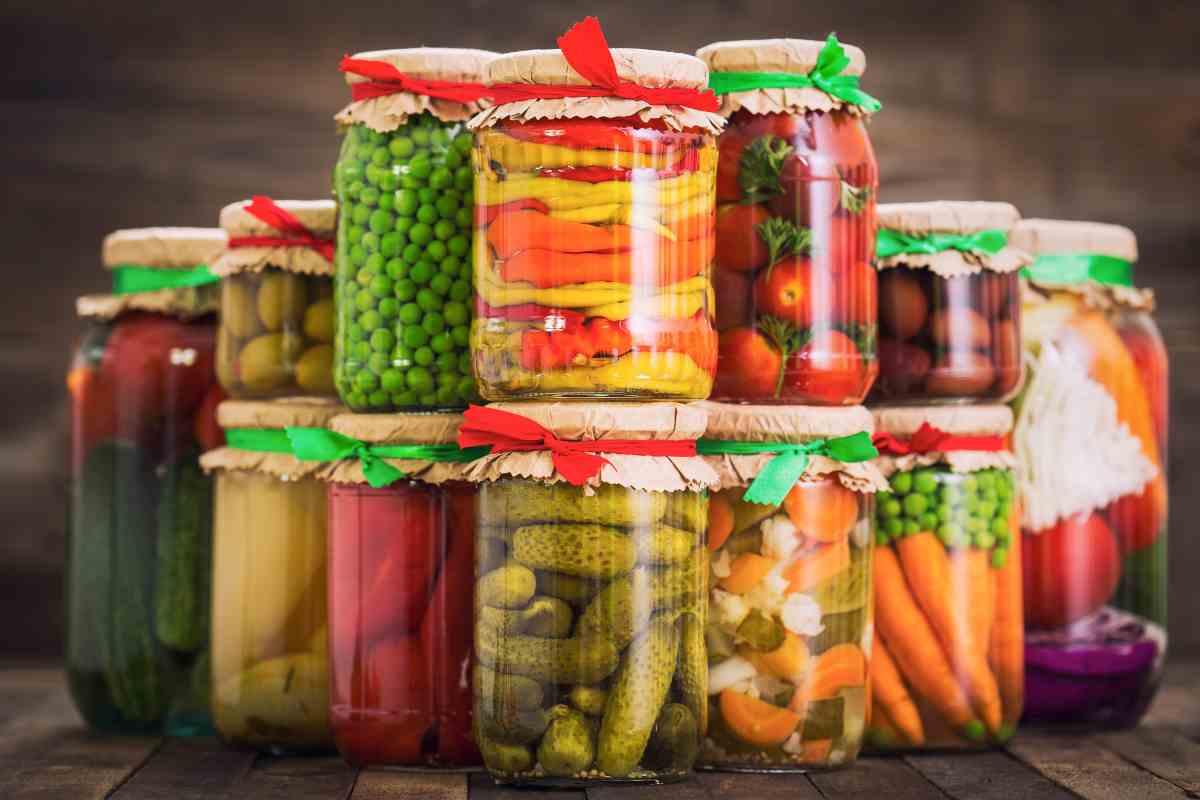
[(516, 155), (558, 193), (661, 306), (646, 373), (497, 293)]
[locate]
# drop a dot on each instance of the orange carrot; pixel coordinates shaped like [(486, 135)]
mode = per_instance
[(890, 694), (1006, 650), (720, 521), (840, 667), (883, 732), (655, 266), (755, 721), (745, 572), (822, 512), (816, 565), (973, 606), (528, 229)]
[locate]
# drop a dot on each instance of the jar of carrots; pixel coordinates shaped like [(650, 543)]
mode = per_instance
[(1091, 436), (947, 664)]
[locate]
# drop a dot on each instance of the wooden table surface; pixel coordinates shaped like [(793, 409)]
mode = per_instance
[(45, 753)]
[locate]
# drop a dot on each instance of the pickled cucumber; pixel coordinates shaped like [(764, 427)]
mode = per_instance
[(674, 741), (747, 515), (282, 300), (523, 503), (510, 586), (490, 554), (623, 608), (513, 725), (569, 588), (314, 369), (744, 542), (588, 551), (587, 659), (762, 632), (499, 690), (569, 746), (693, 669), (588, 699), (663, 545), (507, 759), (547, 617), (687, 511)]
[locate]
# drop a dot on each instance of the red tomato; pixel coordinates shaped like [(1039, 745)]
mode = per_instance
[(1135, 520), (1069, 570), (739, 247), (785, 291), (396, 676), (93, 412), (841, 240), (729, 161), (902, 367), (805, 195), (160, 367), (1150, 356), (208, 433), (735, 293), (829, 369), (748, 365)]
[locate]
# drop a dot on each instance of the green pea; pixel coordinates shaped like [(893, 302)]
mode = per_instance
[(891, 508), (442, 343), (424, 356), (350, 171), (401, 147), (402, 226), (439, 138), (370, 242), (378, 399), (360, 214), (971, 503), (436, 250), (420, 136), (388, 182), (902, 482), (381, 286), (925, 481), (355, 332), (373, 174), (986, 480), (428, 196), (392, 380), (427, 214), (456, 313), (444, 229), (944, 512), (429, 300), (356, 399), (412, 253), (999, 558), (420, 166), (419, 380), (378, 363), (410, 314), (388, 308), (461, 335), (466, 388), (999, 528), (459, 245), (441, 284), (446, 395), (369, 196), (402, 356), (975, 525), (422, 272), (364, 300), (462, 218), (409, 182), (406, 202), (447, 205), (460, 290), (915, 505), (381, 222), (396, 269), (983, 540), (883, 497), (355, 233), (928, 521), (464, 179), (985, 510), (970, 484), (405, 399), (450, 265), (381, 157), (950, 494), (370, 320), (945, 534), (405, 290), (911, 527), (421, 233), (391, 244), (360, 351), (374, 263), (445, 377), (433, 321), (453, 161), (414, 336), (989, 495), (894, 527), (464, 362), (463, 142), (383, 340), (366, 381), (429, 399), (441, 178)]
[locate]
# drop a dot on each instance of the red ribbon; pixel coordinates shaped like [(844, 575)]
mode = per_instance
[(384, 79), (929, 439), (507, 432), (586, 50), (298, 235)]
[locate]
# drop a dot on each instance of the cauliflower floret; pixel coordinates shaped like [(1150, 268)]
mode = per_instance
[(725, 674), (801, 615), (779, 538), (720, 564), (730, 608), (793, 745), (768, 595)]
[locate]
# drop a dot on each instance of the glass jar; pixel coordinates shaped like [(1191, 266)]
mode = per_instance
[(1094, 474), (949, 303), (403, 280), (796, 188), (143, 401)]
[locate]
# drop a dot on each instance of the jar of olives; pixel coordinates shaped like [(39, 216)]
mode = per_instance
[(403, 184), (276, 334), (949, 305), (796, 188)]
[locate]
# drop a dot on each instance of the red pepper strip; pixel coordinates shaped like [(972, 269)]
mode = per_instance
[(576, 345), (514, 231), (528, 312), (660, 266), (486, 215), (402, 557), (694, 336), (629, 135), (392, 688)]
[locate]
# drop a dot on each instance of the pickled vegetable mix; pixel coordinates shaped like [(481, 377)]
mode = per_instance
[(1091, 437), (595, 225), (949, 303), (789, 604), (946, 669), (143, 398), (403, 184), (796, 189)]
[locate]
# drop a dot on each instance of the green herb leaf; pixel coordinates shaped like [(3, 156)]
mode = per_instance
[(760, 167), (783, 238), (854, 198), (786, 338), (864, 337)]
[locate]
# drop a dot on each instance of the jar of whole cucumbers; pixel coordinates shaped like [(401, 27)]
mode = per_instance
[(143, 401), (949, 303), (595, 239), (276, 334), (269, 672), (796, 188), (1091, 441), (947, 669), (789, 609), (589, 596), (403, 184)]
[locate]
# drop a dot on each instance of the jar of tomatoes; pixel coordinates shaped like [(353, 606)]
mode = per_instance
[(789, 608), (946, 670), (401, 553), (143, 399), (595, 236), (590, 592), (796, 187), (949, 305), (269, 672), (276, 334), (1091, 437), (403, 184)]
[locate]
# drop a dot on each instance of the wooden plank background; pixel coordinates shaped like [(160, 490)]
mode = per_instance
[(123, 114)]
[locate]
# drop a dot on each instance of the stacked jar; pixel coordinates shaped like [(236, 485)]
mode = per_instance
[(143, 401), (1092, 439)]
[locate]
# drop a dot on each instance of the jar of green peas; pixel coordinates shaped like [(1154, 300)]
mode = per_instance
[(404, 188)]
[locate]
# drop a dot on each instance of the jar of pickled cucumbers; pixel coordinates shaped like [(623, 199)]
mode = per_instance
[(1091, 439), (276, 334), (403, 184), (143, 401), (270, 677), (949, 304), (589, 592), (796, 188), (595, 238), (947, 670), (789, 604)]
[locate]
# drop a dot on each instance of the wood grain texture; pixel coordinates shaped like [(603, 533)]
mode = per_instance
[(985, 776), (380, 784), (482, 787), (188, 769), (1165, 752), (874, 775), (1082, 765), (761, 787)]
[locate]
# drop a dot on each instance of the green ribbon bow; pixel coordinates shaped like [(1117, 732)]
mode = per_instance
[(258, 440), (133, 278), (319, 444), (781, 473), (1068, 268), (826, 76), (890, 242)]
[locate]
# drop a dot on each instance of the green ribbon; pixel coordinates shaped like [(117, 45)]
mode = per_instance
[(133, 278), (319, 444), (781, 473), (258, 440), (826, 76), (891, 242), (1068, 268)]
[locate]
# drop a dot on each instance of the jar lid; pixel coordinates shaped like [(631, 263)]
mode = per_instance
[(431, 428), (436, 429), (272, 455), (162, 248), (903, 422), (1053, 236), (291, 235), (1091, 259), (949, 237), (286, 412)]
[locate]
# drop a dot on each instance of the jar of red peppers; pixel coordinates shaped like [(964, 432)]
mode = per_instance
[(796, 187), (946, 669), (276, 334), (269, 672), (589, 593), (1092, 441), (789, 606), (595, 230), (949, 305)]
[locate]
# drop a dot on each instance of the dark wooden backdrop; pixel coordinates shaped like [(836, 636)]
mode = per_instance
[(124, 114)]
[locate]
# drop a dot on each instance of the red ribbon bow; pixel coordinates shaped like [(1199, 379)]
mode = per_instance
[(586, 50), (384, 79), (507, 432), (929, 439), (297, 234)]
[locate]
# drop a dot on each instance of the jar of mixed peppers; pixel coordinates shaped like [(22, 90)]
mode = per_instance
[(595, 233), (946, 667), (276, 334), (590, 592), (796, 188), (269, 672), (949, 303), (1091, 437), (789, 608), (143, 401), (403, 184)]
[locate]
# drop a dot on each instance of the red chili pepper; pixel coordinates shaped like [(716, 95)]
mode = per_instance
[(486, 215), (401, 558), (527, 312), (629, 134), (558, 349), (392, 705), (594, 174)]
